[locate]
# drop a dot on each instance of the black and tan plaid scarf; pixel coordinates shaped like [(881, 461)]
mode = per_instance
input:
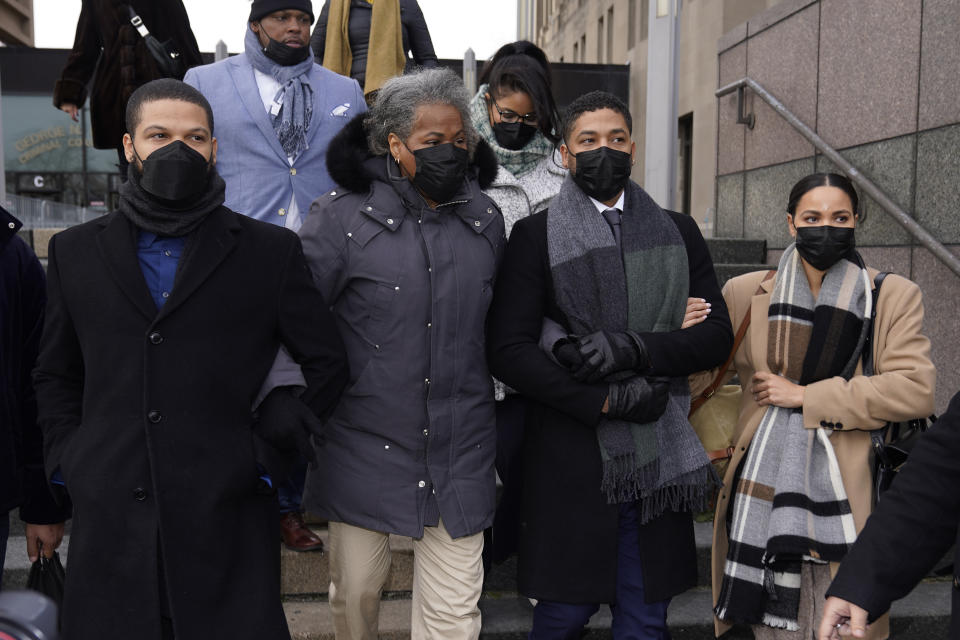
[(662, 464), (789, 504)]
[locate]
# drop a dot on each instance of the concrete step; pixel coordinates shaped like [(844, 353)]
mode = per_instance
[(925, 613), (725, 271), (737, 250)]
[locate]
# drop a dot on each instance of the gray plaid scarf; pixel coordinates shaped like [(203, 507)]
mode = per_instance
[(789, 504), (295, 96), (662, 464), (516, 161)]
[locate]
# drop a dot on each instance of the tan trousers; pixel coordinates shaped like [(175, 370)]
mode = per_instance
[(447, 580)]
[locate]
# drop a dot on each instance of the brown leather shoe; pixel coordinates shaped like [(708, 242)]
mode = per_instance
[(295, 534)]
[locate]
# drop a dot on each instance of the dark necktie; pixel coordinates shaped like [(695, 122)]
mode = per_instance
[(613, 219)]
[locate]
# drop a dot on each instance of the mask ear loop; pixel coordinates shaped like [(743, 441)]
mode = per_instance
[(402, 175)]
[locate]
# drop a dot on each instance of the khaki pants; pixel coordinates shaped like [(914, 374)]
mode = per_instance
[(447, 580)]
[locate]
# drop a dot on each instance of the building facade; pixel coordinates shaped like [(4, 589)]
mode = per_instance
[(616, 31), (16, 22), (879, 82)]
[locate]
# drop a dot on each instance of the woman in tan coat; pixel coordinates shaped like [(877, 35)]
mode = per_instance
[(798, 489)]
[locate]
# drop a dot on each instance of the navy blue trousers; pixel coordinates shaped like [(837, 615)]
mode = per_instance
[(633, 618), (290, 489)]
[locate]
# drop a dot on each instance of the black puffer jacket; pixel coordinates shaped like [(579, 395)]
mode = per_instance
[(413, 435)]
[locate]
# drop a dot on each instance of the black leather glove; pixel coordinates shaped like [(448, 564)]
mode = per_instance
[(286, 423), (606, 352), (638, 399), (567, 354)]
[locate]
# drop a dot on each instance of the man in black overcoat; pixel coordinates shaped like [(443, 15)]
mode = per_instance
[(914, 525), (22, 481), (163, 319), (612, 468)]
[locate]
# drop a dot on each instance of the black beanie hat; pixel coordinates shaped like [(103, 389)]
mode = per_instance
[(261, 8)]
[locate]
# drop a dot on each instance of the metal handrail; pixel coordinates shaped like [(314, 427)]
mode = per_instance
[(922, 235)]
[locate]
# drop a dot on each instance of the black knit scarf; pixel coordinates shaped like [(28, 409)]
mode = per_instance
[(165, 217)]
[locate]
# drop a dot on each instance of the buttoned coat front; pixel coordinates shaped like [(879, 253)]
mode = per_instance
[(409, 286), (901, 389), (568, 530), (260, 179), (148, 417)]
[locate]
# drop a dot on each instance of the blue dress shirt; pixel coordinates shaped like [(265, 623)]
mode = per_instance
[(159, 256)]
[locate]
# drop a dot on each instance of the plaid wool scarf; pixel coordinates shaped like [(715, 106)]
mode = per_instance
[(516, 161), (790, 505), (662, 465)]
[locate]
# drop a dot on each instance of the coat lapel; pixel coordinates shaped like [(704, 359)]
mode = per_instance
[(213, 242), (117, 246), (759, 310), (244, 80)]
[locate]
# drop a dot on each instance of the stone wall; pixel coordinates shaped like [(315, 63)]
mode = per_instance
[(880, 82)]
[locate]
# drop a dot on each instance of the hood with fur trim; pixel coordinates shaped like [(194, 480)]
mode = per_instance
[(348, 153)]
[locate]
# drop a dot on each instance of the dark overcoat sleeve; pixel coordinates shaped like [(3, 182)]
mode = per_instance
[(58, 377), (702, 346), (39, 506), (913, 525), (72, 85), (521, 300), (418, 35), (309, 332)]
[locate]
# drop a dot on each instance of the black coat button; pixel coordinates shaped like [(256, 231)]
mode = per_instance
[(154, 417), (823, 423), (839, 425), (139, 494), (155, 338)]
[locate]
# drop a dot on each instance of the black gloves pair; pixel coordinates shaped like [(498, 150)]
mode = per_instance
[(639, 399), (285, 423), (596, 355), (593, 357)]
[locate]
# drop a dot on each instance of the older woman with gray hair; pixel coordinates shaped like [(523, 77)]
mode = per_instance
[(405, 250)]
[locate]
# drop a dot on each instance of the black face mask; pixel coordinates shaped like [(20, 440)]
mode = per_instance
[(602, 173), (174, 172), (440, 170), (283, 55), (824, 246), (513, 135)]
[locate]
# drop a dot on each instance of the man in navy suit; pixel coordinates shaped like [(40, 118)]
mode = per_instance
[(276, 112)]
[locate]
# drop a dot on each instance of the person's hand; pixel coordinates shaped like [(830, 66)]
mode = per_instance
[(43, 537), (567, 354), (640, 400), (770, 389), (286, 423), (71, 110), (606, 352), (842, 619), (697, 311)]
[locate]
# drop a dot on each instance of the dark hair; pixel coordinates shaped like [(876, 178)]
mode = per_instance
[(815, 180), (522, 66), (164, 89), (594, 101)]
